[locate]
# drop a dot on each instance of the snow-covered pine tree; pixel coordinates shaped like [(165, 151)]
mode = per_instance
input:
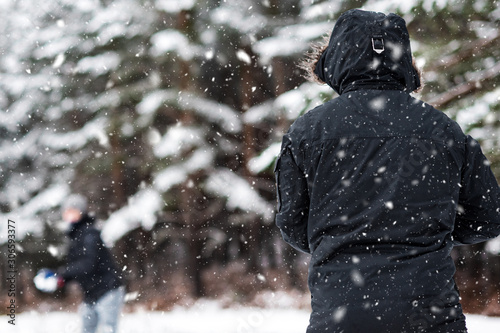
[(168, 115)]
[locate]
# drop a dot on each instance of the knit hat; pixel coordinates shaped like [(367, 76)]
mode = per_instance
[(76, 201)]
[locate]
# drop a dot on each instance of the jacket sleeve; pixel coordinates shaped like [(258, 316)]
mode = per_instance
[(87, 260), (478, 216), (293, 199)]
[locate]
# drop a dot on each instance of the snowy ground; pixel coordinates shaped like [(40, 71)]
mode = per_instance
[(203, 317)]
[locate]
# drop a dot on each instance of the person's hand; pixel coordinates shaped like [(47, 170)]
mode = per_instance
[(48, 281)]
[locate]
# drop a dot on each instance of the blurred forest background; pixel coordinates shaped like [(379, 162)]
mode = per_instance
[(168, 115)]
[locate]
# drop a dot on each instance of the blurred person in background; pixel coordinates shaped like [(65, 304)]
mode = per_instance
[(90, 264), (379, 186)]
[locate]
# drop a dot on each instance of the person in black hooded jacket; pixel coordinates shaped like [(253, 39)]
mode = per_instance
[(378, 187), (90, 263)]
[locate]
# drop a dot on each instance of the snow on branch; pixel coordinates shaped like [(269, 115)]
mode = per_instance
[(290, 40), (239, 193), (479, 81), (28, 217), (169, 177), (202, 158), (291, 104), (259, 113), (307, 96), (173, 7), (15, 149), (223, 115), (171, 40), (140, 210), (124, 19), (236, 16), (220, 114), (90, 103), (99, 64), (265, 159), (154, 100), (397, 5), (493, 246), (26, 103), (177, 140), (470, 50), (317, 11), (77, 139), (479, 110), (49, 198)]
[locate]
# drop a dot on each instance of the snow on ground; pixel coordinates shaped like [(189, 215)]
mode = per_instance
[(203, 317)]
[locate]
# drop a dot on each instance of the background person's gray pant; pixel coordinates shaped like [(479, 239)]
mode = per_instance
[(104, 313)]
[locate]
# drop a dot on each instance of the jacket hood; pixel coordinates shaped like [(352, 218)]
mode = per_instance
[(368, 50)]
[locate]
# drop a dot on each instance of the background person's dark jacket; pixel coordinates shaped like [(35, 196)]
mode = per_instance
[(378, 187), (89, 262)]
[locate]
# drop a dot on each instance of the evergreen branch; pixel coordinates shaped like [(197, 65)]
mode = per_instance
[(480, 81), (471, 50)]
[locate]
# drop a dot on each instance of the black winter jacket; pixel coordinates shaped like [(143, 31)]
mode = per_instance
[(89, 262), (378, 186)]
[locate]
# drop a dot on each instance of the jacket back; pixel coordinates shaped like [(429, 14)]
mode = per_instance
[(378, 186)]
